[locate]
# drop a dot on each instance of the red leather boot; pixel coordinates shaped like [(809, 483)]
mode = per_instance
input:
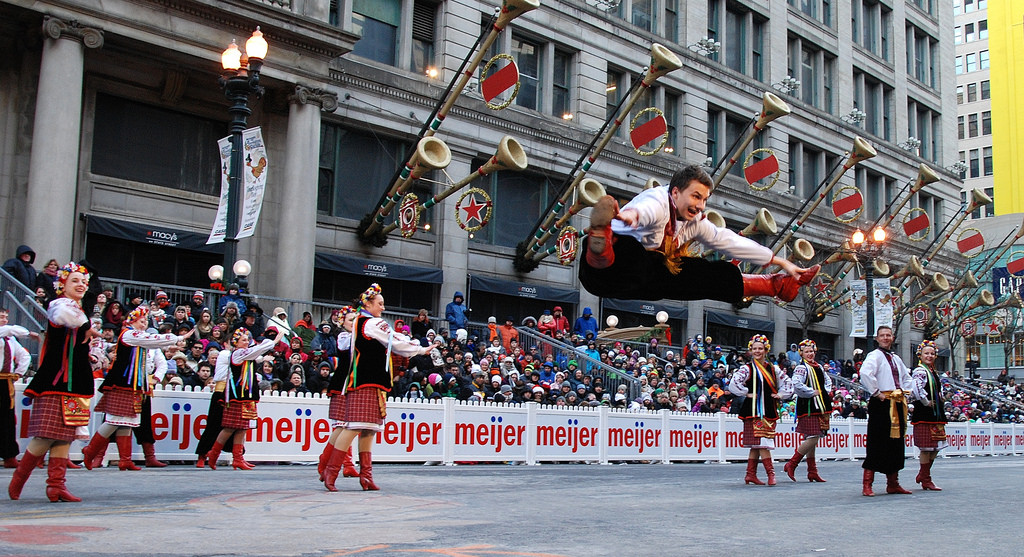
[(325, 456), (124, 453), (769, 469), (214, 454), (56, 490), (27, 464), (238, 461), (333, 468), (751, 477), (599, 242), (150, 452), (812, 471), (97, 446), (892, 484), (790, 467), (366, 472), (348, 468), (869, 478), (926, 479)]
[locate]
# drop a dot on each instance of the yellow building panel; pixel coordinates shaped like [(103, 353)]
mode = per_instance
[(1006, 48)]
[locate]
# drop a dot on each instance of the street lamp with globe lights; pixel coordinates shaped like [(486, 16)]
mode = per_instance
[(868, 249), (240, 78)]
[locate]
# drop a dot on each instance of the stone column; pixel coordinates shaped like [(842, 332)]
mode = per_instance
[(53, 167), (297, 222)]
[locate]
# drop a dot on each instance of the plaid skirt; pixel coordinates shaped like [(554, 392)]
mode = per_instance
[(46, 419), (930, 436), (239, 414), (122, 407), (751, 440), (811, 426), (364, 409), (336, 411)]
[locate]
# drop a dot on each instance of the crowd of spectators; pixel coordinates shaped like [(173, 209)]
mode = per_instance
[(493, 365)]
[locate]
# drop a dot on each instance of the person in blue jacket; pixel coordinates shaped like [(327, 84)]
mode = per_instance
[(585, 323), (455, 313)]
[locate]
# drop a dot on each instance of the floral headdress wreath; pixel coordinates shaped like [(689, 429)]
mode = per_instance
[(762, 339), (136, 314), (239, 333), (65, 272), (372, 292), (805, 343), (339, 318), (925, 343)]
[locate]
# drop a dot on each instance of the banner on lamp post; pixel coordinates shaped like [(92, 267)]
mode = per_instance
[(859, 308), (883, 303), (254, 180), (220, 222)]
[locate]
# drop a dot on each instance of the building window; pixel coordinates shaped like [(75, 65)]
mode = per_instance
[(972, 125), (983, 30), (183, 156), (975, 163), (613, 92), (560, 85), (968, 32), (959, 94), (741, 33), (986, 92), (959, 65), (924, 124), (963, 159), (672, 20), (351, 161), (987, 160), (814, 69), (643, 14), (820, 10), (807, 167), (672, 103), (983, 60), (924, 5), (986, 123), (522, 196), (971, 63), (972, 92), (527, 56), (958, 35), (870, 26), (960, 127), (423, 22), (377, 21)]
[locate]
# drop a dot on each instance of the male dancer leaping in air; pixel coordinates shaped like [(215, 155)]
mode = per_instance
[(639, 252)]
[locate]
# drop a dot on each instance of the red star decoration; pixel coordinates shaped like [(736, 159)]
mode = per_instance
[(820, 286), (945, 310), (992, 327), (473, 209)]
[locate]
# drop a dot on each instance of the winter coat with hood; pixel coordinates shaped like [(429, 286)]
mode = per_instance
[(455, 313), (24, 272), (585, 323)]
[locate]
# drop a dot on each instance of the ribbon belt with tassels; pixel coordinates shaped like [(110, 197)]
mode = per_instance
[(895, 397)]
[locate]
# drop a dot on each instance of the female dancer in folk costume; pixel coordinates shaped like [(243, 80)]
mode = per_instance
[(215, 414), (761, 385), (929, 416), (126, 385), (812, 386), (335, 391), (61, 387), (367, 385), (14, 361), (241, 395)]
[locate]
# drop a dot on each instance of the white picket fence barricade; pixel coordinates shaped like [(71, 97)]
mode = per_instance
[(295, 428)]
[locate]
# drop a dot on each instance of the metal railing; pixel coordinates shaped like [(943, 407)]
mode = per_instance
[(22, 308), (610, 376), (976, 391)]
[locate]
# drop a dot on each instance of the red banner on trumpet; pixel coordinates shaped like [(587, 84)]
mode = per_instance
[(916, 224), (973, 241), (846, 204), (761, 169), (499, 82), (648, 131), (1015, 266)]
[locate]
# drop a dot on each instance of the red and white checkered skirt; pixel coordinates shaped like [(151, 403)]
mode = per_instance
[(239, 414), (811, 425), (364, 409), (46, 419), (930, 436), (121, 407), (752, 441), (336, 411)]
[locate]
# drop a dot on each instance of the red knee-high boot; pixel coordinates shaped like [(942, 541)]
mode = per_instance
[(769, 469), (151, 461), (97, 445), (751, 477), (325, 456), (869, 478), (812, 471), (238, 461), (124, 453), (892, 484), (214, 454), (27, 464), (348, 468), (366, 472), (779, 285), (600, 254), (790, 467), (333, 468), (926, 478), (56, 490)]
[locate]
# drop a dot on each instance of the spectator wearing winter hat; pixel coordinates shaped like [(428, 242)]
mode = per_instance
[(306, 331), (585, 323), (232, 295), (561, 321), (197, 304), (546, 324), (162, 301), (508, 333)]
